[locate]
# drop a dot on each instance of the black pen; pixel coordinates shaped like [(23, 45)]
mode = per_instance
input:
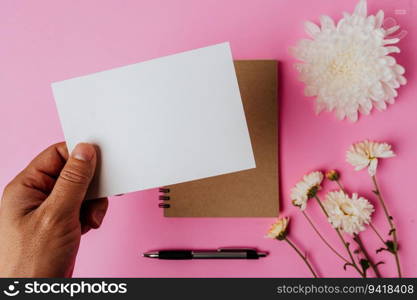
[(221, 253)]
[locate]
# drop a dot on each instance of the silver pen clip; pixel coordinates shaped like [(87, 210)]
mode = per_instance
[(235, 249)]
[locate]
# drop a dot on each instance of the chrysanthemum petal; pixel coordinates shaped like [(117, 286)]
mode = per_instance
[(392, 30), (402, 80), (358, 161), (399, 69), (390, 41), (311, 28), (310, 91), (327, 23), (353, 116), (361, 8), (370, 22), (372, 166), (340, 113), (383, 150), (379, 18), (394, 84), (365, 107), (392, 49), (389, 91), (380, 105)]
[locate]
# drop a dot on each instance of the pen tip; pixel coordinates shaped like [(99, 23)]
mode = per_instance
[(263, 254), (151, 254)]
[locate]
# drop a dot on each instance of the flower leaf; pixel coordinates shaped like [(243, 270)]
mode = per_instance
[(379, 263), (346, 265), (391, 246), (381, 249), (364, 264)]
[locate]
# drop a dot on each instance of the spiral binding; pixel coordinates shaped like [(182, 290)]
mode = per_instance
[(164, 197)]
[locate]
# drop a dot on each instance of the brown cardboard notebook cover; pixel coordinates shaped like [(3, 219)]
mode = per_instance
[(250, 193)]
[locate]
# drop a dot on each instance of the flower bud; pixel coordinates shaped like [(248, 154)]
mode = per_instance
[(333, 175), (279, 229)]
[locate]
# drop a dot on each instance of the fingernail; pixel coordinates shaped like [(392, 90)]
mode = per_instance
[(83, 151)]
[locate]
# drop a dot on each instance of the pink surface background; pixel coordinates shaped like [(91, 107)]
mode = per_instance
[(45, 41)]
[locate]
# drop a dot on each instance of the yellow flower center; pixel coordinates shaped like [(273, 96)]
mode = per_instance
[(346, 208), (345, 66)]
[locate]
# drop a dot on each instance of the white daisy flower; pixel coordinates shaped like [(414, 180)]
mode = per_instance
[(305, 189), (348, 214), (365, 154), (348, 66), (278, 230)]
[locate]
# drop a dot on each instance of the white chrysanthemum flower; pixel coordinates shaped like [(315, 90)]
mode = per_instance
[(278, 230), (348, 214), (305, 189), (365, 154), (347, 66)]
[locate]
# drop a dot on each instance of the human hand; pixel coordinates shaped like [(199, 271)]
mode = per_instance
[(43, 213)]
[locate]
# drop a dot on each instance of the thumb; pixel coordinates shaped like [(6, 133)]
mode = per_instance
[(73, 181)]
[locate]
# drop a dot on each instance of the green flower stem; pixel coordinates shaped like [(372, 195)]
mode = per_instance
[(393, 230), (303, 257), (374, 267), (322, 238), (352, 260), (377, 233), (340, 185)]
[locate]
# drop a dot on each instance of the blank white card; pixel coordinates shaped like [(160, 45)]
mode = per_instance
[(160, 122)]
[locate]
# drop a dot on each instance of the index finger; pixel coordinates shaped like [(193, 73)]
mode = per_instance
[(51, 160), (44, 169), (31, 186)]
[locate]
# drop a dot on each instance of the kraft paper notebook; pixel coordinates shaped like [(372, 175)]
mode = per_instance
[(250, 193)]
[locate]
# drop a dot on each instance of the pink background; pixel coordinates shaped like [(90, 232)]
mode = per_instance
[(45, 41)]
